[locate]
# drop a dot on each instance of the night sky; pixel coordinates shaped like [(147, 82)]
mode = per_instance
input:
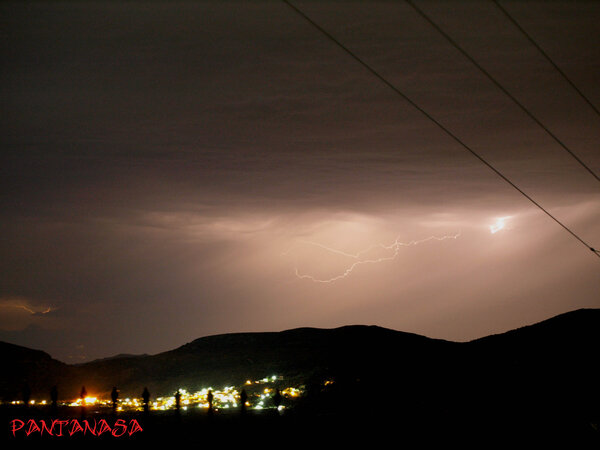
[(174, 170)]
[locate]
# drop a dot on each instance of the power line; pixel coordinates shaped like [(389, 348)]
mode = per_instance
[(545, 55), (501, 87), (431, 118)]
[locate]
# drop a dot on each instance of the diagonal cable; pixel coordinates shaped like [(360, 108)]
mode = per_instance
[(545, 55), (501, 87), (431, 118)]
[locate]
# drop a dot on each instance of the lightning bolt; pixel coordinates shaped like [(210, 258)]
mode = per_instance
[(395, 246), (31, 311)]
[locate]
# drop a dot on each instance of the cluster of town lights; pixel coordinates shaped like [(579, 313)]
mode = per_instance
[(260, 395)]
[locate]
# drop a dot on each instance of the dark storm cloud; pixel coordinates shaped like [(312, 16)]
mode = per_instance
[(162, 164)]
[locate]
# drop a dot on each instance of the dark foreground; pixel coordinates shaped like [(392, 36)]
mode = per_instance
[(268, 429), (534, 386)]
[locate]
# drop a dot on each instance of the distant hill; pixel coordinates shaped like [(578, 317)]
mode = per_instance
[(108, 358), (302, 354), (548, 366), (22, 366)]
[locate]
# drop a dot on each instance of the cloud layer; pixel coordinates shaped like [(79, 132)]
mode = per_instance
[(167, 171)]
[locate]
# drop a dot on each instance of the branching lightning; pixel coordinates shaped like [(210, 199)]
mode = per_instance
[(394, 246)]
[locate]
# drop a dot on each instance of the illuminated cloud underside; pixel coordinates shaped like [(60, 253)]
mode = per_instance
[(155, 187)]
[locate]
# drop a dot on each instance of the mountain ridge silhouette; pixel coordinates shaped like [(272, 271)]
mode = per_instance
[(547, 359)]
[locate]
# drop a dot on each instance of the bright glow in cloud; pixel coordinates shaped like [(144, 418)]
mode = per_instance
[(499, 225)]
